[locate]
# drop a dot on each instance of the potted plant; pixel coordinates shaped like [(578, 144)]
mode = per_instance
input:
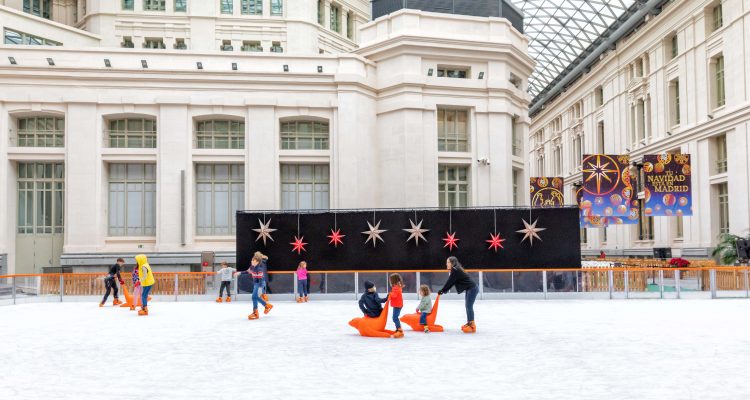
[(725, 250), (679, 262)]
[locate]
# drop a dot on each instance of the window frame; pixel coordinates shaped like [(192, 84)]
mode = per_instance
[(154, 5), (31, 137), (453, 141), (445, 183), (34, 191), (180, 5), (235, 138), (318, 170), (123, 138), (121, 207), (319, 135), (235, 192), (251, 7)]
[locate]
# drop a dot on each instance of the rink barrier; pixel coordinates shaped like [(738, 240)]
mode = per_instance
[(641, 281)]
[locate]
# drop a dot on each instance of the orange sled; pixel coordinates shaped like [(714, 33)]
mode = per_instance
[(129, 298), (373, 327), (413, 319)]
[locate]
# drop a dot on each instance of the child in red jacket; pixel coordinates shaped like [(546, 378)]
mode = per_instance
[(397, 302)]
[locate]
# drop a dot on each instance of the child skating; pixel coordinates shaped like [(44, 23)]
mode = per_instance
[(302, 282), (111, 285), (257, 273), (425, 306), (137, 289), (226, 273), (397, 302), (146, 276), (370, 302)]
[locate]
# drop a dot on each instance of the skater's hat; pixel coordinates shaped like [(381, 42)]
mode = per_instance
[(369, 285)]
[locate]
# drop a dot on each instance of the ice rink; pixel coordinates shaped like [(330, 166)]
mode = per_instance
[(572, 349)]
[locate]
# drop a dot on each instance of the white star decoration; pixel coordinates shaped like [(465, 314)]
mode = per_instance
[(530, 231), (374, 233), (264, 231), (416, 232)]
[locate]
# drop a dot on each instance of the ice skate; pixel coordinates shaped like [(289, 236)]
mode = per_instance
[(264, 297), (228, 299), (269, 306), (469, 328), (300, 300), (306, 299), (132, 308), (426, 329), (398, 334), (116, 303), (143, 311), (254, 315), (101, 304), (218, 300)]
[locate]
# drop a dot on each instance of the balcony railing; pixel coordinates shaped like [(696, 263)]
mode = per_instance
[(38, 138), (218, 142)]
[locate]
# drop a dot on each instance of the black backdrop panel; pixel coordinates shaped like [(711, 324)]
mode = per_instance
[(559, 247)]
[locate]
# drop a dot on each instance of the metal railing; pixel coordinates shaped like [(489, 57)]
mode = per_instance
[(609, 282)]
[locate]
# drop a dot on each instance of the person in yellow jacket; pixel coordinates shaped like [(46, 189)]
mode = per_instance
[(146, 276)]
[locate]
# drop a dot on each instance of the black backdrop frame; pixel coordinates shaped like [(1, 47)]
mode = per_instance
[(560, 246)]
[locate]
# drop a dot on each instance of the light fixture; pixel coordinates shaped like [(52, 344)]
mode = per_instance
[(51, 62), (710, 116), (320, 68), (144, 64), (627, 150), (234, 66), (286, 68), (199, 65), (429, 72), (12, 60), (669, 133), (107, 63), (481, 75)]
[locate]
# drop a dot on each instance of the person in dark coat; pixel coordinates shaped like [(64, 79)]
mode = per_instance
[(111, 285), (463, 283), (370, 302)]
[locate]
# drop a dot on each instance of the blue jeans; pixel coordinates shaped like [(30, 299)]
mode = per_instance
[(256, 296), (144, 295), (423, 318), (302, 287), (396, 313), (471, 296)]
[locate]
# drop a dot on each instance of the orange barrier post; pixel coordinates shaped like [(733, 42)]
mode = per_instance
[(413, 319), (373, 327), (129, 298)]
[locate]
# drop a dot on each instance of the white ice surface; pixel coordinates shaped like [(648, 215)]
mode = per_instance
[(574, 349)]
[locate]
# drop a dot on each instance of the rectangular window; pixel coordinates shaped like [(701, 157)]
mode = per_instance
[(674, 49), (600, 134), (180, 5), (220, 134), (516, 180), (40, 8), (718, 17), (226, 45), (584, 235), (128, 4), (220, 192), (134, 133), (721, 154), (719, 92), (599, 96), (179, 44), (154, 43), (41, 132), (453, 186), (452, 72), (679, 227), (674, 99), (251, 46), (304, 135), (277, 7), (132, 199), (252, 7), (127, 42), (557, 153), (16, 37), (350, 25), (276, 47), (453, 130), (227, 7), (335, 18), (41, 193), (516, 137), (321, 12), (304, 187), (154, 5), (645, 225), (577, 150), (723, 195)]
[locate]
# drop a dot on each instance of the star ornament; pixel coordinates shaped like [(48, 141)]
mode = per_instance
[(416, 232), (495, 242), (264, 232), (374, 233), (336, 237), (298, 245), (601, 171), (530, 231), (450, 241)]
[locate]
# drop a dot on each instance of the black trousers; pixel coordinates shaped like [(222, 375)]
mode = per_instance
[(225, 284), (111, 285)]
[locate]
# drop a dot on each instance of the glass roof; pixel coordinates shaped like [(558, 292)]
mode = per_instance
[(560, 31)]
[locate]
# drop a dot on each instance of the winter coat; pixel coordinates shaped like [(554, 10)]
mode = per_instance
[(145, 275), (425, 304), (301, 273), (370, 304), (136, 281), (226, 273), (460, 279), (397, 297)]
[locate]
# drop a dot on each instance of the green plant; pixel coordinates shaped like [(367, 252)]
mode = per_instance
[(725, 250)]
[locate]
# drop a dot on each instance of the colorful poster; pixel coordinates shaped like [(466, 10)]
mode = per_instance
[(631, 219), (546, 192), (586, 220), (667, 187), (607, 187)]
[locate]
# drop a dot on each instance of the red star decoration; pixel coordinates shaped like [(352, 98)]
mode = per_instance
[(298, 244), (450, 240), (495, 242), (335, 237)]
